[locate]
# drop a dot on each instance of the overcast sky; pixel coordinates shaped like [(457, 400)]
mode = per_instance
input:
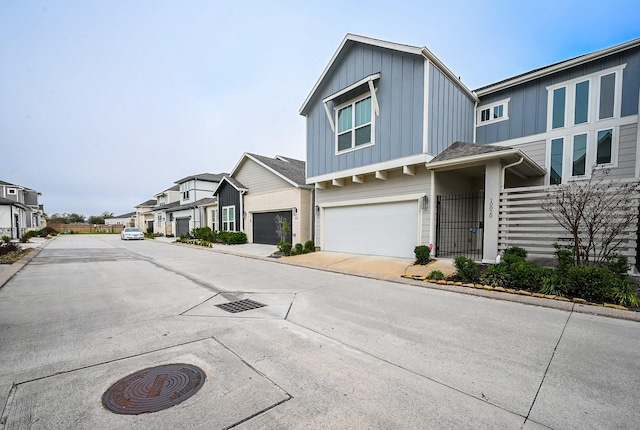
[(105, 103)]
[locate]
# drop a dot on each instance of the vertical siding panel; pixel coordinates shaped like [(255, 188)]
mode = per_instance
[(391, 150), (418, 107), (407, 104)]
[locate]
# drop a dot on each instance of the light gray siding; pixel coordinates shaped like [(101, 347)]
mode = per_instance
[(398, 128), (258, 179), (628, 141), (450, 113), (528, 104), (537, 151), (396, 185)]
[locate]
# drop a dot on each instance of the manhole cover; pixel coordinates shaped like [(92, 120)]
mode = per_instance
[(153, 389), (240, 306)]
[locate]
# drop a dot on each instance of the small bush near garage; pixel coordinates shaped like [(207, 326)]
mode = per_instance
[(309, 246), (515, 272), (232, 237), (284, 247), (423, 254), (436, 275), (467, 268)]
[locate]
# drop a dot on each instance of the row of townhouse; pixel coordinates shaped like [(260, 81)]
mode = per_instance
[(248, 199), (19, 210), (400, 152)]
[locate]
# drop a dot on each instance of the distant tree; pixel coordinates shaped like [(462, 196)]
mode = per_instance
[(96, 219), (106, 214), (58, 218), (74, 217)]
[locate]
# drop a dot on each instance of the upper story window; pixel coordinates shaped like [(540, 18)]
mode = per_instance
[(585, 100), (161, 200), (12, 191), (185, 187), (494, 112), (355, 124)]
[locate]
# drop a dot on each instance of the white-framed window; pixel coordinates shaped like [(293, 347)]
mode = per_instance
[(582, 152), (185, 187), (159, 217), (585, 100), (161, 200), (12, 191), (493, 112), (229, 218), (355, 125), (214, 220)]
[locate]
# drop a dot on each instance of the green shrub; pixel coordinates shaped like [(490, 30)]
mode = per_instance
[(624, 293), (232, 237), (309, 246), (299, 248), (617, 264), (516, 251), (555, 284), (496, 275), (5, 239), (284, 247), (591, 283), (422, 253), (31, 233), (527, 275), (467, 268), (436, 275), (564, 258)]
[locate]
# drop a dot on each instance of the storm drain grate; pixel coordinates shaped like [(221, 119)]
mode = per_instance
[(240, 306), (153, 389)]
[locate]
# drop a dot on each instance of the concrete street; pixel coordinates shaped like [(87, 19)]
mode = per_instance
[(328, 351)]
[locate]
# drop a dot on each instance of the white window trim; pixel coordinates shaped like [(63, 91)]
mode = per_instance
[(12, 191), (353, 102), (591, 157), (594, 98), (374, 99), (615, 144), (490, 106), (231, 222)]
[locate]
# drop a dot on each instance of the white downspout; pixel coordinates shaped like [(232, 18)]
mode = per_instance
[(504, 170), (475, 120)]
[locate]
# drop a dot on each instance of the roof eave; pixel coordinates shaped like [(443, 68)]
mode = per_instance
[(557, 67), (537, 169)]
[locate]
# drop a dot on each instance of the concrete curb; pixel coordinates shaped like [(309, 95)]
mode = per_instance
[(10, 272), (494, 295)]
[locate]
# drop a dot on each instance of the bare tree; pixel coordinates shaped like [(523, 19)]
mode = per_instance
[(282, 228), (598, 212)]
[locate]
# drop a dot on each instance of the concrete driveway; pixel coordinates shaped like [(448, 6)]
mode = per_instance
[(327, 350)]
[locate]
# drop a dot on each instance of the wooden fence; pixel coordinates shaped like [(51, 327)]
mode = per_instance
[(87, 228)]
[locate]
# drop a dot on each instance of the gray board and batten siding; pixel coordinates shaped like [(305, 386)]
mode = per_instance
[(228, 196), (528, 101), (450, 113), (399, 128)]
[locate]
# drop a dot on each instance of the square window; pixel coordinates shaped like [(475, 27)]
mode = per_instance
[(498, 111)]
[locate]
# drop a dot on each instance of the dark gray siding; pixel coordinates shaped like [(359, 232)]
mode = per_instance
[(398, 128), (450, 112), (228, 196), (528, 105)]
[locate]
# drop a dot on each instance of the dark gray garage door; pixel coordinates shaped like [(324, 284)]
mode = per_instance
[(264, 227), (182, 226)]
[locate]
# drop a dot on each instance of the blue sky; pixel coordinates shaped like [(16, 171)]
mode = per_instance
[(105, 103)]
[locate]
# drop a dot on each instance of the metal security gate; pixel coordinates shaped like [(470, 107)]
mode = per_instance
[(460, 225)]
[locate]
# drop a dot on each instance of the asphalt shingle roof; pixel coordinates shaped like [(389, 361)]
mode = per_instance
[(290, 168), (212, 177), (464, 149), (150, 202)]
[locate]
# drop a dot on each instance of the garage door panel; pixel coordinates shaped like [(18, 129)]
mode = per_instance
[(264, 227), (389, 229)]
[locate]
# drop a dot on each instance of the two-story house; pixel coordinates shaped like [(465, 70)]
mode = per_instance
[(19, 210), (165, 200), (197, 203), (261, 190), (402, 153)]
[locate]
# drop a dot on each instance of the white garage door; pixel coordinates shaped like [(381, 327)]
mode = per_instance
[(389, 229)]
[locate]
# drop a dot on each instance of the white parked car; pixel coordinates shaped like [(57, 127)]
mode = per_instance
[(131, 233)]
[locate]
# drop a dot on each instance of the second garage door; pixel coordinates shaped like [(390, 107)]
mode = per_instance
[(264, 227), (389, 229)]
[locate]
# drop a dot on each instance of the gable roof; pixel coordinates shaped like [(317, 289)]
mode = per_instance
[(150, 202), (7, 202), (233, 182), (202, 202), (288, 169), (211, 177), (555, 67), (352, 39), (127, 215), (463, 154), (167, 206)]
